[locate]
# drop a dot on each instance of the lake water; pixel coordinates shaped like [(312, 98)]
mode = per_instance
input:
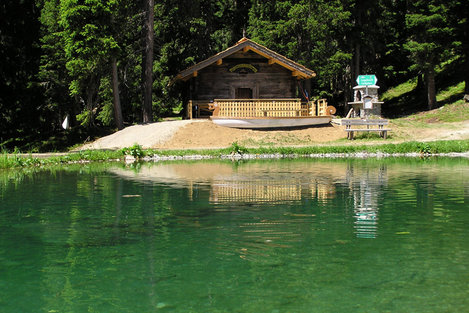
[(273, 236)]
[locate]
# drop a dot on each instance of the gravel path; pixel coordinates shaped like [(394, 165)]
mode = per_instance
[(146, 136)]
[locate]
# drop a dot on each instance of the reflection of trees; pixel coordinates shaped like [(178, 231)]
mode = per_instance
[(85, 230)]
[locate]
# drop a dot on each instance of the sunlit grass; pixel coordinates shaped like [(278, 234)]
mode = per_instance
[(449, 113), (399, 90), (19, 160), (450, 92)]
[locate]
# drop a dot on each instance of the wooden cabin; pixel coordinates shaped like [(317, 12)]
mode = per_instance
[(248, 80)]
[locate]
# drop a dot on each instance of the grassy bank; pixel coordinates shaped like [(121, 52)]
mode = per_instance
[(423, 148), (21, 160), (434, 147)]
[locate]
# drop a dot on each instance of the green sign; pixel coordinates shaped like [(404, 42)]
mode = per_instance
[(366, 80)]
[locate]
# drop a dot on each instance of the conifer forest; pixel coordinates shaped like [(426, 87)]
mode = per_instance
[(108, 63)]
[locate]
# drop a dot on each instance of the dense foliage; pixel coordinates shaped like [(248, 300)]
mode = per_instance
[(98, 62)]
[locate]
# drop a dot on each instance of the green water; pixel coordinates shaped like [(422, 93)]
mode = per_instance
[(271, 236)]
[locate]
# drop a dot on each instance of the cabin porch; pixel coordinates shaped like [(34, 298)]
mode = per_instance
[(257, 108)]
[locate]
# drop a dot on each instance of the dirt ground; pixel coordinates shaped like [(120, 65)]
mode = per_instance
[(443, 131), (208, 135), (203, 134)]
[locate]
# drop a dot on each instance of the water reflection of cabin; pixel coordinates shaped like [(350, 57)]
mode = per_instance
[(272, 190), (247, 80)]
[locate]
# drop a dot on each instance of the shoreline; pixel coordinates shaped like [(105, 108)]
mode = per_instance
[(411, 149), (248, 156)]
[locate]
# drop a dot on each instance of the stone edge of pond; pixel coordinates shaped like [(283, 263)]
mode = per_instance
[(247, 156)]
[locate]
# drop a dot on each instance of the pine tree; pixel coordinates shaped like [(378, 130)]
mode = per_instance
[(187, 32), (312, 32), (392, 62), (459, 19), (21, 103), (90, 49), (53, 73), (429, 40)]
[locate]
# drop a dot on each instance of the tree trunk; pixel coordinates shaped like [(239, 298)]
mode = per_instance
[(89, 109), (148, 63), (431, 89), (356, 63), (115, 92), (348, 90), (466, 77), (420, 83), (89, 104)]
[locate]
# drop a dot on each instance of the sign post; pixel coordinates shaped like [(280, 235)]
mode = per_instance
[(366, 80), (365, 96)]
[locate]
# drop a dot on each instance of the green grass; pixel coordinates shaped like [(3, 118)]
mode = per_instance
[(17, 161), (367, 136), (451, 106), (450, 92), (407, 99), (406, 147), (399, 90), (449, 113)]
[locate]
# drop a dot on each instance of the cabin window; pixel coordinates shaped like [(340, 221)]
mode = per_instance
[(243, 93)]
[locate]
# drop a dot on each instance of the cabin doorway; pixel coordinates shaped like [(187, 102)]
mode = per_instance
[(243, 93)]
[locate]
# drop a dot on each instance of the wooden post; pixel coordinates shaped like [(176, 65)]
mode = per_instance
[(189, 109), (312, 110)]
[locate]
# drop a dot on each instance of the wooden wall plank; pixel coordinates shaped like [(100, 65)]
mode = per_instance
[(270, 81)]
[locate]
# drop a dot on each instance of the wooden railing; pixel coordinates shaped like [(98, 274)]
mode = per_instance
[(322, 106), (258, 108), (199, 108)]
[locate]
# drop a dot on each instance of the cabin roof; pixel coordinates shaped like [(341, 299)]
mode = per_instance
[(246, 44)]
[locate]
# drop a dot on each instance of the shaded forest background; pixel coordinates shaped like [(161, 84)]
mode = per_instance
[(108, 63)]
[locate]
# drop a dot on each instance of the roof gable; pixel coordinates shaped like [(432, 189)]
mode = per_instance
[(245, 45)]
